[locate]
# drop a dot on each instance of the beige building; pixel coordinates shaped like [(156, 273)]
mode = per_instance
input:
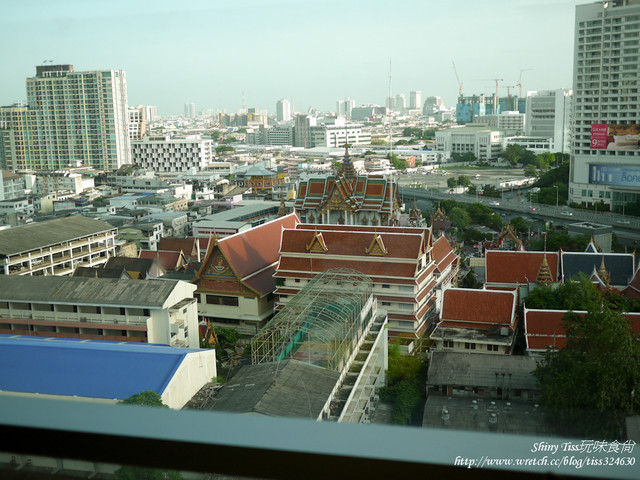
[(56, 247), (153, 311)]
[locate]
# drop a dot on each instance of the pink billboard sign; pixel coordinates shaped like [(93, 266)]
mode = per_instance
[(599, 133)]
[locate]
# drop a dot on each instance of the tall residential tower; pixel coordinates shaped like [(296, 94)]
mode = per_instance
[(72, 118), (605, 157)]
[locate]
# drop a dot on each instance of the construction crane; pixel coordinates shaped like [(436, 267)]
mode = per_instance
[(457, 78), (519, 84), (509, 95)]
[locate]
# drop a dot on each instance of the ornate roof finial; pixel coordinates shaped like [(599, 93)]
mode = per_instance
[(544, 273), (602, 272)]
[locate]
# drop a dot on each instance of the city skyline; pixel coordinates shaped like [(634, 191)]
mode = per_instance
[(218, 54)]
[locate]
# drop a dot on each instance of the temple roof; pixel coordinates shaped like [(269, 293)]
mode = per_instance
[(481, 309), (519, 267)]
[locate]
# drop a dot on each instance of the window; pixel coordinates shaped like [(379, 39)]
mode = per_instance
[(470, 346), (492, 348), (221, 300), (448, 343), (384, 285)]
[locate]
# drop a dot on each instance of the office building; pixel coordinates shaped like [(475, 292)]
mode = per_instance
[(72, 118), (283, 110), (482, 141), (415, 100), (605, 157), (150, 113), (345, 107), (548, 117)]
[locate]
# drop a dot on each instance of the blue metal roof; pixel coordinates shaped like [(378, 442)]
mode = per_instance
[(85, 368)]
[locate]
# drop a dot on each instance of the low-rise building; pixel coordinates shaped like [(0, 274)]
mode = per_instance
[(56, 247), (235, 283), (485, 143), (519, 270), (153, 311), (322, 357), (103, 371), (477, 321)]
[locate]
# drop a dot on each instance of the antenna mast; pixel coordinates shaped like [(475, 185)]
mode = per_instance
[(390, 110)]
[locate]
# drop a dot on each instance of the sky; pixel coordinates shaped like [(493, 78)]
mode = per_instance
[(215, 53)]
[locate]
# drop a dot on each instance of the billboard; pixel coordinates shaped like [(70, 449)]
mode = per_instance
[(606, 136), (620, 175)]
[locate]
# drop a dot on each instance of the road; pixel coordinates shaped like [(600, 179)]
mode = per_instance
[(624, 226)]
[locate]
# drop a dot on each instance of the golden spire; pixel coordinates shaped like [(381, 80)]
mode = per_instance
[(603, 274)]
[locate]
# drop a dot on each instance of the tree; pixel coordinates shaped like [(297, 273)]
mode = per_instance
[(589, 386), (405, 386), (378, 141), (520, 224), (397, 163), (459, 217), (530, 171), (224, 148), (147, 398), (452, 182), (464, 181)]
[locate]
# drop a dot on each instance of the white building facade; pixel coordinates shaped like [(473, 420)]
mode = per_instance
[(605, 157), (283, 110), (167, 154), (548, 116), (484, 143)]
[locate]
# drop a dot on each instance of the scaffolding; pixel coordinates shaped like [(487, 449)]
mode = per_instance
[(322, 324)]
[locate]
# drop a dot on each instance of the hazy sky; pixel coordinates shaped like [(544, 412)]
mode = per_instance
[(315, 52)]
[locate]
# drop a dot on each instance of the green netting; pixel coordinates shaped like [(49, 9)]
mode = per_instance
[(320, 325)]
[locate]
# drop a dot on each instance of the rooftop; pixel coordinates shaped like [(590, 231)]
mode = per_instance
[(51, 232), (87, 291), (86, 368)]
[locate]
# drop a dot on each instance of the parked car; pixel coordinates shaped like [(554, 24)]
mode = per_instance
[(568, 214)]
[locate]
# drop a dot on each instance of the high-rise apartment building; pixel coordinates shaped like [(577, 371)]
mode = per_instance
[(72, 118), (415, 100), (283, 110), (605, 157), (137, 123)]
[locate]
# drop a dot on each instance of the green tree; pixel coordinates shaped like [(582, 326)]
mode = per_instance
[(471, 280), (459, 217), (464, 181), (530, 171), (405, 385), (147, 398), (545, 160), (491, 191), (378, 141), (224, 148), (520, 224), (397, 163), (589, 386), (452, 182)]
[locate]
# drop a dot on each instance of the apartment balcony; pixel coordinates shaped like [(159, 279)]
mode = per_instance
[(137, 320)]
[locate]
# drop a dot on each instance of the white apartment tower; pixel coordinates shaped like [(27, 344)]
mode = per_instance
[(415, 100), (548, 116), (605, 157), (72, 118), (283, 110)]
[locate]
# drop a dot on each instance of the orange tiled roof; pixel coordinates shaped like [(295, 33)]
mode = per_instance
[(478, 308), (442, 253), (252, 250), (353, 242), (517, 267), (543, 328)]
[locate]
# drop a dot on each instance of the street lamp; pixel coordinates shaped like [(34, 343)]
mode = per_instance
[(557, 197)]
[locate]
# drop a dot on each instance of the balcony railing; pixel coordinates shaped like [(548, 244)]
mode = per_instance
[(36, 315), (278, 448)]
